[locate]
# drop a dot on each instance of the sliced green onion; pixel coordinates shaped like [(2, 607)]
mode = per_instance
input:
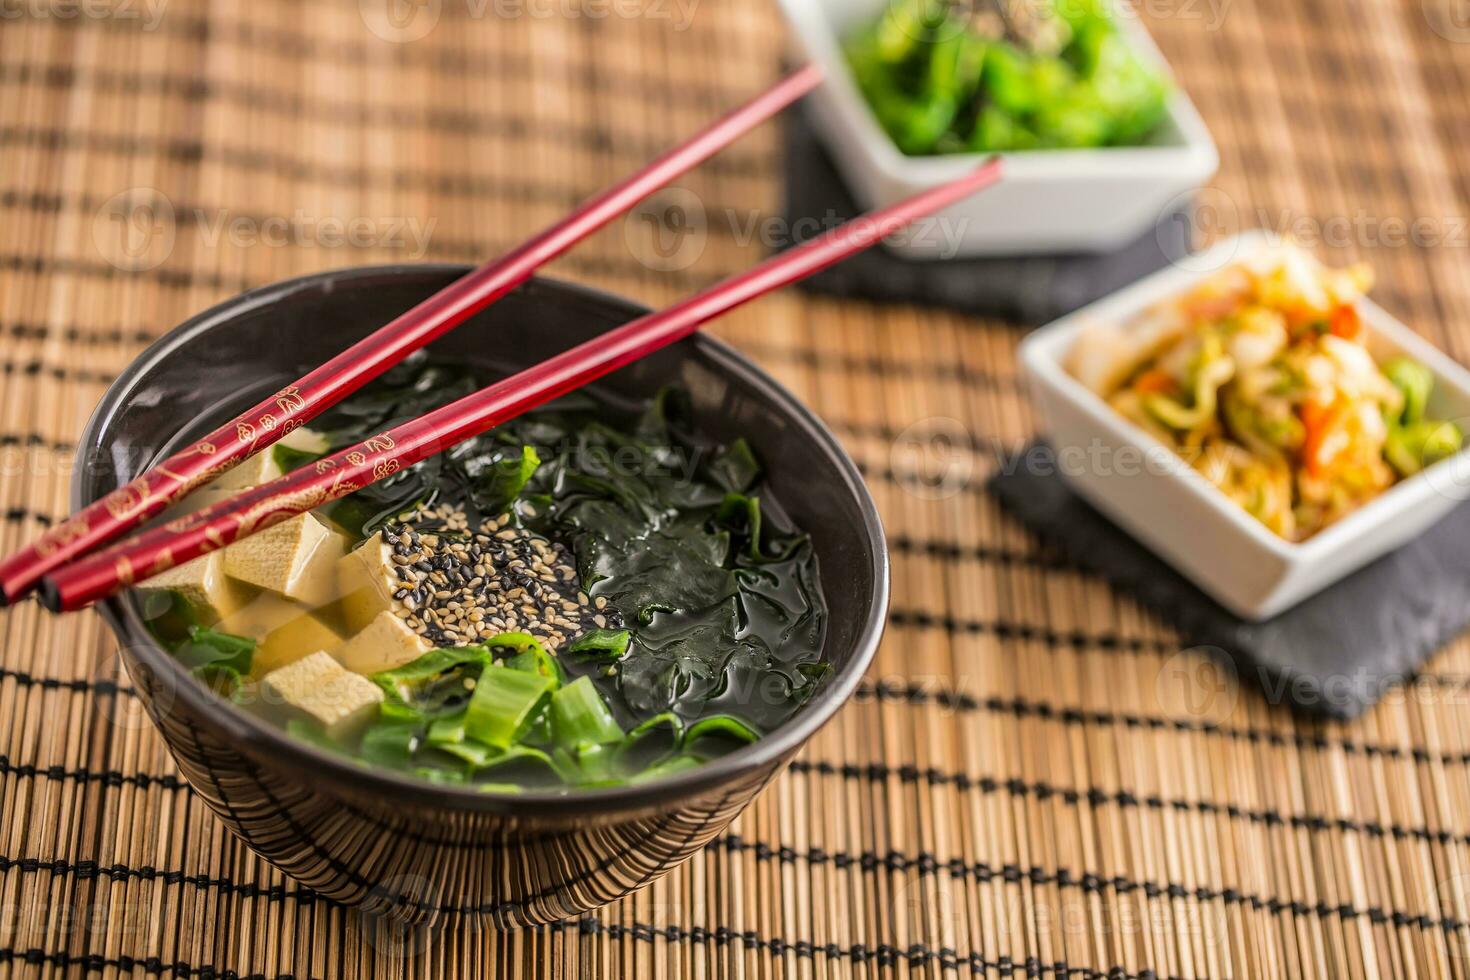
[(433, 775), (504, 704), (580, 716), (390, 743), (449, 730), (536, 660), (401, 712), (524, 764), (666, 767), (400, 683), (539, 731), (510, 788), (649, 743), (591, 764), (470, 751), (724, 728), (519, 642), (602, 644)]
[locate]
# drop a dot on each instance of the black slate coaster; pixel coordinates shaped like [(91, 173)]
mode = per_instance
[(1030, 290), (1336, 653)]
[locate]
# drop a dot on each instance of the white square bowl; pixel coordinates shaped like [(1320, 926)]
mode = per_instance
[(1145, 488), (1048, 201)]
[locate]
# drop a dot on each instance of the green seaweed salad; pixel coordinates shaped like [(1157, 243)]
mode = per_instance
[(708, 610), (983, 76)]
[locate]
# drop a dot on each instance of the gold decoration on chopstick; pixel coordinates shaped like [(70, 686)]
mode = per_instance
[(123, 567), (379, 443), (289, 399), (63, 534), (128, 498)]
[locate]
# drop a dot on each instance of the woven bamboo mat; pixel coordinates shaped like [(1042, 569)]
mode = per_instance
[(1034, 779)]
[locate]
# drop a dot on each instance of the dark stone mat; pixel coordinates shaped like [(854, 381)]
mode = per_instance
[(1336, 653)]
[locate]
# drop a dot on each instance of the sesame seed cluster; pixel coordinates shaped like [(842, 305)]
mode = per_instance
[(461, 584)]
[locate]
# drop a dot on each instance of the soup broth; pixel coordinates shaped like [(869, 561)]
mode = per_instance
[(588, 595)]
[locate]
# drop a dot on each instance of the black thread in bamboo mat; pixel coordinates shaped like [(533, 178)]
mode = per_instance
[(1034, 781)]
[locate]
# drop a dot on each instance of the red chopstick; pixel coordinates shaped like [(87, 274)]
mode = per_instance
[(107, 572), (298, 403)]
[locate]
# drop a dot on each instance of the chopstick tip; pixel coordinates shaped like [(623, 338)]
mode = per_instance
[(48, 595)]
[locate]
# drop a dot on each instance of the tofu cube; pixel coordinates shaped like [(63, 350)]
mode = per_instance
[(366, 583), (204, 585), (291, 641), (304, 439), (278, 557), (387, 642), (316, 583), (258, 469), (262, 467), (266, 612), (205, 496), (317, 686)]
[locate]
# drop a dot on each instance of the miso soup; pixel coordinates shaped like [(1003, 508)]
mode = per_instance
[(589, 595)]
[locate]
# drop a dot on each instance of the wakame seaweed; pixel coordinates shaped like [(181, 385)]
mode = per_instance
[(713, 615)]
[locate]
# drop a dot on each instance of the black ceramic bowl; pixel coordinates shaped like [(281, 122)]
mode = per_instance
[(390, 843)]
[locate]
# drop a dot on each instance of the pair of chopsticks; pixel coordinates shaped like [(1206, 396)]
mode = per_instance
[(71, 573)]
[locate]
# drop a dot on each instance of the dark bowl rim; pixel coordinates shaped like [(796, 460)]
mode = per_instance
[(771, 750)]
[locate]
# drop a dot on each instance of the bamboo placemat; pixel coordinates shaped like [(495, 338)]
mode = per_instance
[(1034, 781)]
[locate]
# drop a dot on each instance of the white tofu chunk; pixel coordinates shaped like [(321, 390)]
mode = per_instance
[(316, 685), (387, 642), (366, 583), (204, 585), (266, 612), (205, 496), (291, 641), (304, 439), (277, 557), (258, 469), (316, 583), (262, 467)]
